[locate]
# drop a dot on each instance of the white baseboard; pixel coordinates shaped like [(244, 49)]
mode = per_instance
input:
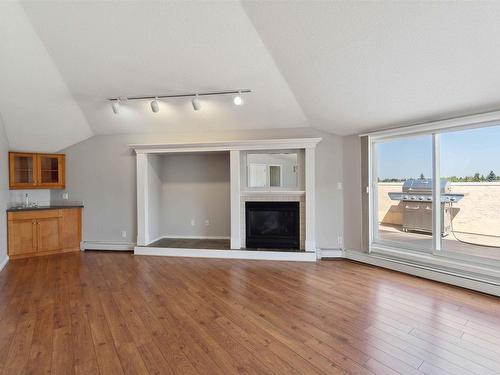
[(329, 253), (453, 278), (4, 263), (110, 246), (302, 256), (193, 237)]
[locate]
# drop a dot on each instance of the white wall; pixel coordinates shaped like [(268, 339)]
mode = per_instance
[(355, 170), (39, 196), (4, 192), (101, 172), (195, 187), (352, 193)]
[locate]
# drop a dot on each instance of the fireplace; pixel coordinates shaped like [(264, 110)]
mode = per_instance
[(272, 225)]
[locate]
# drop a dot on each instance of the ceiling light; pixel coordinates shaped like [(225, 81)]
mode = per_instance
[(115, 105), (196, 103), (155, 107), (238, 100), (117, 102)]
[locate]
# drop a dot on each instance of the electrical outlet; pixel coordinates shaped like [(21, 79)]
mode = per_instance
[(193, 223), (124, 233), (340, 241), (65, 196), (207, 222), (339, 185)]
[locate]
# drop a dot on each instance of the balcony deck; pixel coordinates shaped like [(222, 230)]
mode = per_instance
[(454, 242)]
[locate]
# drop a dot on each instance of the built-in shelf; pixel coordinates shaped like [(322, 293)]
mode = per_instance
[(272, 192)]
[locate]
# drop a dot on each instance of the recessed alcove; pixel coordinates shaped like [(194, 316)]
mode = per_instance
[(189, 196)]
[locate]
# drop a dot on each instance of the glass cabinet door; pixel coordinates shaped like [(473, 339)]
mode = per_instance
[(50, 170), (22, 170)]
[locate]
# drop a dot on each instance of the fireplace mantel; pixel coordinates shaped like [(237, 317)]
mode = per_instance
[(256, 144), (235, 148)]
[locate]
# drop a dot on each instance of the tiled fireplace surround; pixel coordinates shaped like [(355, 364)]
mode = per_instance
[(276, 197)]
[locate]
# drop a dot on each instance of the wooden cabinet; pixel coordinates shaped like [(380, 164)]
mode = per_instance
[(41, 232), (36, 171), (22, 170), (22, 237), (48, 234), (71, 229)]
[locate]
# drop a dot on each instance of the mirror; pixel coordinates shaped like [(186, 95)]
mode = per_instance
[(278, 170)]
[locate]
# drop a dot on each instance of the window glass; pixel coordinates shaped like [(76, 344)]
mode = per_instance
[(470, 161), (402, 188)]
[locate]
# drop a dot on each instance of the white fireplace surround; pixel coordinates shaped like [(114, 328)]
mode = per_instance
[(235, 148)]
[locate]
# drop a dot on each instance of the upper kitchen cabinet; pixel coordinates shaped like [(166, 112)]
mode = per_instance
[(50, 171), (22, 170), (36, 171)]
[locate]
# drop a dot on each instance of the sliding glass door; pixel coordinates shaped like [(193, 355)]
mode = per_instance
[(455, 215), (470, 159), (402, 192)]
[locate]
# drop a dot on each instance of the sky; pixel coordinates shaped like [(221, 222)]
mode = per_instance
[(463, 153)]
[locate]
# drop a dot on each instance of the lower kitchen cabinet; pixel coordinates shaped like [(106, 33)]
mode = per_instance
[(42, 232)]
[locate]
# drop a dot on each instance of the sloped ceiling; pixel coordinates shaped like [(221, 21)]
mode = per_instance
[(343, 67), (355, 65), (36, 107), (108, 49)]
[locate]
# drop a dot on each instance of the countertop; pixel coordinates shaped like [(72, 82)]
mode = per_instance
[(52, 206)]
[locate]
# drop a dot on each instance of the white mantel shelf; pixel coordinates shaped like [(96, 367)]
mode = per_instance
[(146, 152), (272, 192), (257, 144)]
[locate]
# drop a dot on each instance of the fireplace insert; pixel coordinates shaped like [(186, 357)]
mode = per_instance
[(272, 225)]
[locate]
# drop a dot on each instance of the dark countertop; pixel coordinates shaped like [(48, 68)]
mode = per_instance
[(52, 206)]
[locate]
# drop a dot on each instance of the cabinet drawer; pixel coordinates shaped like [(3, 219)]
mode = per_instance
[(38, 214)]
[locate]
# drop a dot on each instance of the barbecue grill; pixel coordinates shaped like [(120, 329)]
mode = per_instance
[(416, 196)]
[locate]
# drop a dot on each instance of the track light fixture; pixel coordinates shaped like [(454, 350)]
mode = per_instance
[(155, 107), (196, 103), (115, 106), (238, 100)]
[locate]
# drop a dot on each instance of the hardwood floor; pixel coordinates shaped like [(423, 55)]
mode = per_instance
[(115, 313)]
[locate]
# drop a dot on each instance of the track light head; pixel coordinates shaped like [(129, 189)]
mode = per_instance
[(115, 106), (238, 100), (196, 103), (155, 107)]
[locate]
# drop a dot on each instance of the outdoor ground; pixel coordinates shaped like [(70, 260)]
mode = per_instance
[(450, 243)]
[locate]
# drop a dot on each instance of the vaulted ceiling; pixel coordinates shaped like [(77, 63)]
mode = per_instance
[(344, 67)]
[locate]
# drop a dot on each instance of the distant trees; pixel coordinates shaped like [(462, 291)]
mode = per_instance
[(477, 177), (491, 177)]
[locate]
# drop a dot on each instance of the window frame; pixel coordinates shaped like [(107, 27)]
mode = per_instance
[(397, 250)]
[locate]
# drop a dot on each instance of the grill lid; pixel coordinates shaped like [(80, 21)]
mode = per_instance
[(424, 186)]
